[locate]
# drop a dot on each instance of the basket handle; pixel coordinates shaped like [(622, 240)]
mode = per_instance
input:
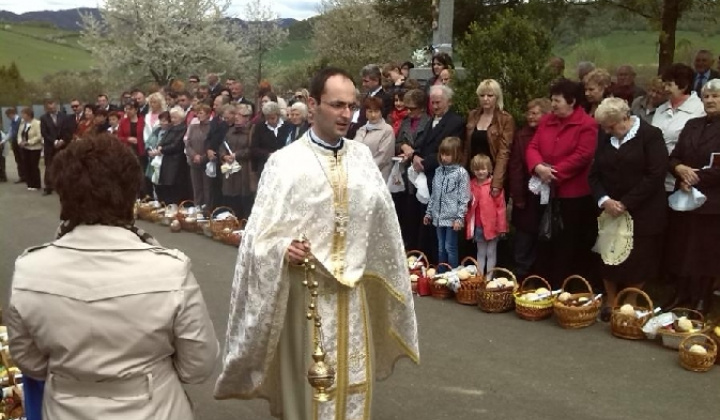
[(213, 214), (689, 311), (183, 203), (472, 260), (577, 277), (623, 294), (694, 337), (445, 265), (534, 277), (490, 273), (419, 254)]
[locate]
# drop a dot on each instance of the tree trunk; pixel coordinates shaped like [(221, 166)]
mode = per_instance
[(668, 26)]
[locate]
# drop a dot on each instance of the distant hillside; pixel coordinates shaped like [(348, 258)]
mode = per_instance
[(69, 19)]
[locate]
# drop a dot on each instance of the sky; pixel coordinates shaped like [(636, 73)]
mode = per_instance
[(297, 9)]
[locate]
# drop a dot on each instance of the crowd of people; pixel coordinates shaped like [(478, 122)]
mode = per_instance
[(593, 144)]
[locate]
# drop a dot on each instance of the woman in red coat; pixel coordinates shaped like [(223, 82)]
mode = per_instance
[(130, 132), (561, 154)]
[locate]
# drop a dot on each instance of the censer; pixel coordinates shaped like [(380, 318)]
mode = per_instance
[(321, 375)]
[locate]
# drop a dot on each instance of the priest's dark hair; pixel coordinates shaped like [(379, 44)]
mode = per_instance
[(317, 84), (98, 180)]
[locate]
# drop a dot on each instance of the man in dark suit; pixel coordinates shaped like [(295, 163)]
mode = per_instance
[(103, 102), (139, 97), (214, 86), (12, 142), (223, 119), (371, 82), (237, 92), (444, 123), (56, 129), (703, 70)]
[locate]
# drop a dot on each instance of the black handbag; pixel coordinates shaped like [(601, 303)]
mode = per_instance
[(551, 223)]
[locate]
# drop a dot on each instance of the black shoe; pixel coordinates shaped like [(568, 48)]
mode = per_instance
[(46, 192), (19, 181), (605, 314)]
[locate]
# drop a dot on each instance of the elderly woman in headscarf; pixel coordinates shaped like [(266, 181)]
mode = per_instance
[(235, 157), (695, 235), (269, 136), (145, 326)]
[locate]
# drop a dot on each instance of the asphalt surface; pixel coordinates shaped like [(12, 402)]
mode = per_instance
[(473, 365)]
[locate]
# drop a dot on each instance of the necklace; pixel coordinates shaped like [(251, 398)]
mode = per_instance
[(338, 182)]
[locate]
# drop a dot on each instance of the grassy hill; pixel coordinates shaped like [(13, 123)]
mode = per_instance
[(39, 51)]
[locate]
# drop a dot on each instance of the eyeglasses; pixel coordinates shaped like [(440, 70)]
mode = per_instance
[(74, 106), (341, 106)]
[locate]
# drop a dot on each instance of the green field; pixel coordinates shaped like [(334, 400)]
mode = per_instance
[(636, 48), (41, 50)]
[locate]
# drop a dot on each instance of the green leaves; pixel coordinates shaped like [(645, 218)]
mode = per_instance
[(514, 51)]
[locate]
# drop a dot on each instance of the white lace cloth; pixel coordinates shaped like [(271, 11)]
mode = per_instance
[(537, 187)]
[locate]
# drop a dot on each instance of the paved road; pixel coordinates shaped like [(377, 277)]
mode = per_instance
[(473, 365)]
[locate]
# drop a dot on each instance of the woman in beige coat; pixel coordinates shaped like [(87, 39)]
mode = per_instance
[(114, 322), (377, 135), (30, 140)]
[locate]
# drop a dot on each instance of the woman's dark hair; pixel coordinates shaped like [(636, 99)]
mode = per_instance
[(91, 107), (271, 95), (101, 113), (98, 180), (571, 91), (399, 94), (132, 104), (682, 74), (373, 102), (408, 64), (165, 115), (444, 59)]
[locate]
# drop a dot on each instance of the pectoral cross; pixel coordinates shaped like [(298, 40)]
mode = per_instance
[(341, 221)]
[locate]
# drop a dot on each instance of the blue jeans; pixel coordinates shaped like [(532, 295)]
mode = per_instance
[(448, 246)]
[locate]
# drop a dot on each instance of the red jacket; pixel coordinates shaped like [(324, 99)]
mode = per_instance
[(493, 218), (568, 145), (124, 134)]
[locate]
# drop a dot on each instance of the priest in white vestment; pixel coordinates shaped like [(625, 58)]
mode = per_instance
[(328, 189)]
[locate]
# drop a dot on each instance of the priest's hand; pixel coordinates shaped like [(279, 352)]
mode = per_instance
[(298, 251)]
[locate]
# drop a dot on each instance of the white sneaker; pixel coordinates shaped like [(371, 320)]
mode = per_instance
[(33, 189)]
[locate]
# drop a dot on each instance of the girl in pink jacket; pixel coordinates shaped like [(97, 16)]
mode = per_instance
[(485, 220)]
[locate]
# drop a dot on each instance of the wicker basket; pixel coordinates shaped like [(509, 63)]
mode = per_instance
[(672, 339), (171, 212), (421, 257), (533, 310), (572, 317), (157, 213), (467, 294), (716, 339), (219, 228), (188, 220), (441, 291), (235, 237), (629, 327), (496, 301), (144, 208), (698, 362)]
